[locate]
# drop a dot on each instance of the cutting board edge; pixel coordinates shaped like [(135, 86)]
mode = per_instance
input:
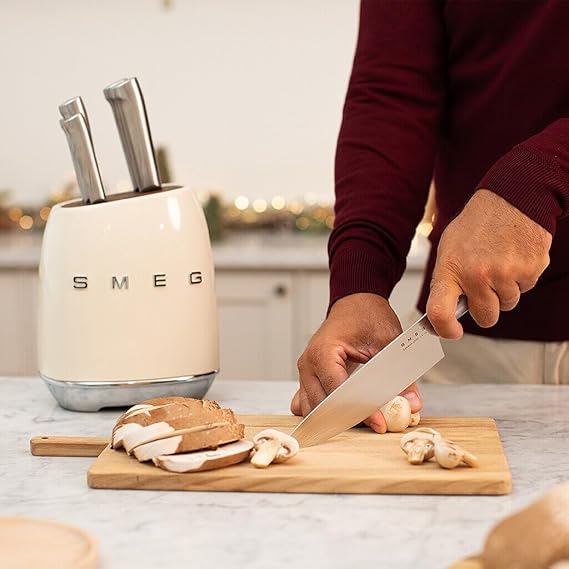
[(100, 482)]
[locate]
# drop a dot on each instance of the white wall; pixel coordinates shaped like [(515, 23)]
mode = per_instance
[(246, 94)]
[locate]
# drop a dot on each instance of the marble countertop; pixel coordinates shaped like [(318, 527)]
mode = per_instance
[(260, 531), (254, 251)]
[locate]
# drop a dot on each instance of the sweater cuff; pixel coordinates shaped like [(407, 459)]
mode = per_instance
[(357, 266), (529, 183)]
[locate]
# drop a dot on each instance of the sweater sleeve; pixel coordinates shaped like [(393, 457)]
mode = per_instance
[(387, 144), (534, 175)]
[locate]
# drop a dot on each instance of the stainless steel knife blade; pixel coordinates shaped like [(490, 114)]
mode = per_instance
[(127, 103), (84, 160), (372, 385)]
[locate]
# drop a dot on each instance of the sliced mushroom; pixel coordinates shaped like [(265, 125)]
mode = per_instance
[(397, 413), (225, 455), (146, 434), (200, 437), (534, 538), (419, 445), (450, 455), (136, 417), (272, 446), (179, 414), (423, 443)]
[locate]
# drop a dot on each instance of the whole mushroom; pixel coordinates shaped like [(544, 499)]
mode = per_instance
[(397, 413), (272, 446)]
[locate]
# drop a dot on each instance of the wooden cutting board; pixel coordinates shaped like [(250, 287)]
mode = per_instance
[(356, 462)]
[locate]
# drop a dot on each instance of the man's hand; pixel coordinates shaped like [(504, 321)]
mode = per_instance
[(492, 253), (357, 327)]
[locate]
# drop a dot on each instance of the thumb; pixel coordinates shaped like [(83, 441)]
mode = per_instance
[(441, 305)]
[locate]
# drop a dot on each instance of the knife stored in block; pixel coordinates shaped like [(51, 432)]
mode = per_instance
[(402, 362), (127, 103), (84, 160), (74, 106)]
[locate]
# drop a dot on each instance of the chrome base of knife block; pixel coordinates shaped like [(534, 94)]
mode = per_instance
[(95, 395)]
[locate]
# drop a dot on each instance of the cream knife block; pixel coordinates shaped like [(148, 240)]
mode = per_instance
[(127, 300)]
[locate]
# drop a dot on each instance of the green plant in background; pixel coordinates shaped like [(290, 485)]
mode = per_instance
[(213, 210)]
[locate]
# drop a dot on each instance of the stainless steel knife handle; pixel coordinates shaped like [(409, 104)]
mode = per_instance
[(127, 103), (461, 307), (74, 106), (83, 155)]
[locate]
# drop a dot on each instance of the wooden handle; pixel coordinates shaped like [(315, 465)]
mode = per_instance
[(68, 446)]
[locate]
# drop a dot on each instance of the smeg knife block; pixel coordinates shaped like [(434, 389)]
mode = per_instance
[(127, 305)]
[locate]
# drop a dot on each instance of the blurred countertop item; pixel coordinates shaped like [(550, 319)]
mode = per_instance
[(253, 251)]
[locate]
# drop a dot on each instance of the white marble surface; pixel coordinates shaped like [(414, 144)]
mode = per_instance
[(260, 531), (21, 251)]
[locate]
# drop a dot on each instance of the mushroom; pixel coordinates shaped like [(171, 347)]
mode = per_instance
[(142, 435), (423, 443), (174, 425), (450, 455), (225, 455), (179, 414), (272, 446), (419, 445), (534, 538), (127, 423), (397, 413), (200, 437), (415, 419)]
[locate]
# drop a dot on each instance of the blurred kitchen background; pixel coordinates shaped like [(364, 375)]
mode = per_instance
[(244, 99)]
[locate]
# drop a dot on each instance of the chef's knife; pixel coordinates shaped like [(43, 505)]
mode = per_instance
[(372, 385), (83, 155), (127, 103), (74, 106)]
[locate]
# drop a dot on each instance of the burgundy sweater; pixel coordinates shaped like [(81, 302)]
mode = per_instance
[(476, 94)]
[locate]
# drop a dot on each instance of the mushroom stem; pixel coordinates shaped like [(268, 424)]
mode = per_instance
[(419, 450), (266, 453)]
